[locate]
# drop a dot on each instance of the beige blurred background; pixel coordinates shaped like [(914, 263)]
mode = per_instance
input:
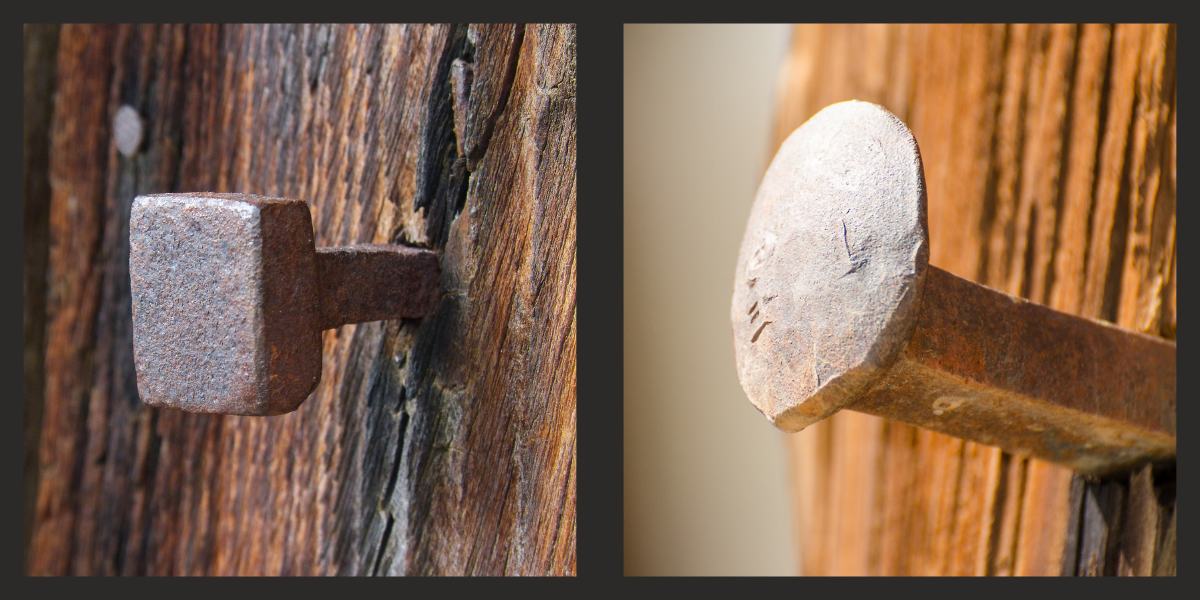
[(705, 475)]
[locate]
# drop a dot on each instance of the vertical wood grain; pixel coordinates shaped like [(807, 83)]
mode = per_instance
[(40, 48), (443, 445), (1049, 160)]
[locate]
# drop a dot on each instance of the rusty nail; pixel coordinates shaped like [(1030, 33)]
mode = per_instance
[(230, 296), (835, 306)]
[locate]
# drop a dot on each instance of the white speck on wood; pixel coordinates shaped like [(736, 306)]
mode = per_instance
[(127, 130)]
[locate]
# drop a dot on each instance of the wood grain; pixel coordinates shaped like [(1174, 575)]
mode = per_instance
[(436, 446), (40, 45), (1049, 155)]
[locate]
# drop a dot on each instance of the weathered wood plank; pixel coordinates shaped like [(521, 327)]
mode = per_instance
[(444, 445), (1103, 512), (1105, 250), (40, 43), (1164, 556), (1080, 169), (1044, 520), (499, 375), (1049, 159), (1138, 536), (78, 156)]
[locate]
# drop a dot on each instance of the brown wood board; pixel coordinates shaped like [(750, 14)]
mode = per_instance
[(444, 445), (1049, 163), (40, 51)]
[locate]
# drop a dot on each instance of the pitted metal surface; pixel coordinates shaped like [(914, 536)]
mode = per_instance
[(197, 259), (830, 269), (230, 296), (406, 283), (835, 306)]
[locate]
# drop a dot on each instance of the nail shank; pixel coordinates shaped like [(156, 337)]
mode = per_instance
[(375, 282), (986, 366)]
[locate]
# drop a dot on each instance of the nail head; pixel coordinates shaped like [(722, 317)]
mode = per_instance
[(831, 267)]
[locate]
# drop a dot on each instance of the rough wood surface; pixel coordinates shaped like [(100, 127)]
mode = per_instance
[(40, 49), (1049, 156), (436, 446)]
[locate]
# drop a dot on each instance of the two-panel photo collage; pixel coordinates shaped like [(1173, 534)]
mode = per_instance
[(888, 299)]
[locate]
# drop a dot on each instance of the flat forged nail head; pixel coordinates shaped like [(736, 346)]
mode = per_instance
[(835, 306), (230, 296), (831, 268)]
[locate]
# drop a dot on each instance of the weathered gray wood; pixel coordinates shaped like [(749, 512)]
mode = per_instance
[(1139, 532), (1070, 559), (1102, 515), (1164, 556), (1122, 525)]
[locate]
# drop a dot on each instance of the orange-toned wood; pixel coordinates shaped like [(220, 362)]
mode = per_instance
[(1049, 155)]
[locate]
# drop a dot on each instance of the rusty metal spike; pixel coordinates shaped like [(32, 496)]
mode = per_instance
[(230, 296), (835, 306)]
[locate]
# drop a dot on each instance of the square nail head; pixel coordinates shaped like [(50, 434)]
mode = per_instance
[(224, 316)]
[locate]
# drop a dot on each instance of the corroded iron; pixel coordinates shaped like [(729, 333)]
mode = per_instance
[(835, 306), (230, 296)]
